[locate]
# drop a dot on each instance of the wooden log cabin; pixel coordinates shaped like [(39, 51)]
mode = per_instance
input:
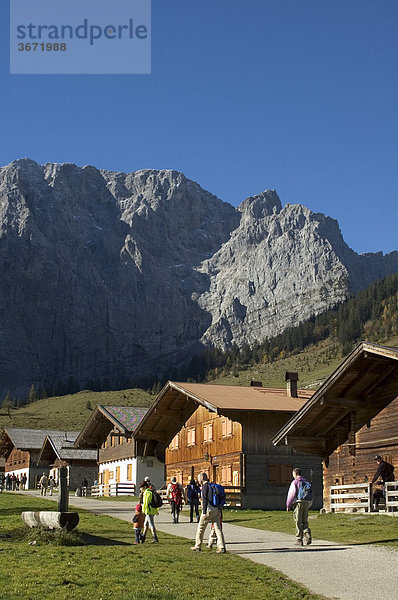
[(23, 449), (58, 451), (351, 418), (226, 431)]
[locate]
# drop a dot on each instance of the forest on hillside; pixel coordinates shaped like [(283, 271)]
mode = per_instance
[(371, 315)]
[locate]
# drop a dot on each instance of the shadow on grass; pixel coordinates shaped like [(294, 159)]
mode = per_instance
[(96, 540)]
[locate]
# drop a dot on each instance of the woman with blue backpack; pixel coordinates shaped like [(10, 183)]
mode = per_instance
[(213, 499), (300, 496)]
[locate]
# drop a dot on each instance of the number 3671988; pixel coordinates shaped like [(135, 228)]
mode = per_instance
[(42, 47)]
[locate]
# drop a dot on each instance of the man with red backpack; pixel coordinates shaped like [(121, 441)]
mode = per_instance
[(175, 495)]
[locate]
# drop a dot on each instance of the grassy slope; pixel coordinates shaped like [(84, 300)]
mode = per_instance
[(109, 566), (70, 412), (313, 366)]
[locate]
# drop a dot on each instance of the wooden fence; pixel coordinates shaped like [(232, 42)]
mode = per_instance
[(358, 497), (113, 489)]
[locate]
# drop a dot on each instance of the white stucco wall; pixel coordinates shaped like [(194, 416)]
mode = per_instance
[(141, 468)]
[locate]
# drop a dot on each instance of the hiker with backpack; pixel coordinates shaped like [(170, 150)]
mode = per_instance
[(213, 499), (150, 509), (300, 496), (193, 496), (175, 494)]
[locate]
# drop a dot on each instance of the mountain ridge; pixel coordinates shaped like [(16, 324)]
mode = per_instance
[(128, 275)]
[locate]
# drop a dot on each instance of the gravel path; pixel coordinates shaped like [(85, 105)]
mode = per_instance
[(336, 571)]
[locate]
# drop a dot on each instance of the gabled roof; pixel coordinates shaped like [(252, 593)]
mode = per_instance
[(25, 439), (105, 418), (61, 446), (178, 401), (361, 387)]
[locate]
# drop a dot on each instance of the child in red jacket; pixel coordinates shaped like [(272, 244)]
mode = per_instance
[(138, 523)]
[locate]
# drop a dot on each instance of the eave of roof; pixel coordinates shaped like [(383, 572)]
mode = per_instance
[(339, 405)]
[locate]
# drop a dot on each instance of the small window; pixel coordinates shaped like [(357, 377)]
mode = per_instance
[(174, 444), (235, 478), (226, 474), (280, 474), (227, 428), (129, 471), (208, 432), (191, 436)]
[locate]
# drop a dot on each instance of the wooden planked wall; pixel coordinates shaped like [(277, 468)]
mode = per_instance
[(352, 464)]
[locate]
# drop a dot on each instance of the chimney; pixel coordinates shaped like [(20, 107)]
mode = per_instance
[(256, 383), (291, 379)]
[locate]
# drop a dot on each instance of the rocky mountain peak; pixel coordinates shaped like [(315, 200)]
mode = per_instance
[(260, 206), (122, 276)]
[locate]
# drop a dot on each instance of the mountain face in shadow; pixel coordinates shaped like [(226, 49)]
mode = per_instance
[(107, 275)]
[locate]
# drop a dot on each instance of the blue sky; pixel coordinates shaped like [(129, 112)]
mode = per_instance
[(300, 97)]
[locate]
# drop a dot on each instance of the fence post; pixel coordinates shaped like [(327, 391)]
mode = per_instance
[(63, 499)]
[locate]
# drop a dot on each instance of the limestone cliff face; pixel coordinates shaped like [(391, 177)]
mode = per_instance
[(113, 275)]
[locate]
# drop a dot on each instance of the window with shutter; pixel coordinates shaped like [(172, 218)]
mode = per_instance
[(174, 444), (280, 474), (191, 436)]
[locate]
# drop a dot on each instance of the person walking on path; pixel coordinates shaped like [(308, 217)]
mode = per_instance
[(300, 496), (175, 493), (193, 494), (138, 524), (43, 484), (150, 512), (51, 484), (210, 514)]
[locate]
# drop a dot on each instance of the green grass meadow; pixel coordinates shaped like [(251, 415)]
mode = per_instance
[(70, 412), (108, 565)]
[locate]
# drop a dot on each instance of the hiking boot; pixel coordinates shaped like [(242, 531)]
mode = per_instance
[(220, 551), (196, 548), (155, 541), (298, 543), (308, 539)]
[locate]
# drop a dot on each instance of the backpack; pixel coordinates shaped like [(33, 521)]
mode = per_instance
[(156, 501), (218, 492), (192, 493), (176, 493), (305, 491)]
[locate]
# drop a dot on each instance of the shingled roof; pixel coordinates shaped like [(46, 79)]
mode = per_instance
[(178, 401), (105, 418), (61, 446), (27, 439)]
